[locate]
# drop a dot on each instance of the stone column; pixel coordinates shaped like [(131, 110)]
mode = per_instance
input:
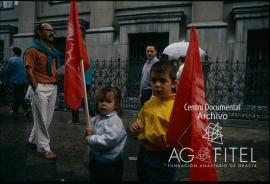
[(207, 16), (100, 36), (25, 12)]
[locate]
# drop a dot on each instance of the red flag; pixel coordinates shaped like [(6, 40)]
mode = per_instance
[(186, 127), (75, 51)]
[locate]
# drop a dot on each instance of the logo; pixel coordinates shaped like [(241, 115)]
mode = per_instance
[(204, 155), (213, 133), (218, 157)]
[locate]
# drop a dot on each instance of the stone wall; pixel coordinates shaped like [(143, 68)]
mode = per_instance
[(222, 26)]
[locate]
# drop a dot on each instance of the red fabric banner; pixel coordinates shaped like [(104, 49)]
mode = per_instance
[(75, 51), (186, 127)]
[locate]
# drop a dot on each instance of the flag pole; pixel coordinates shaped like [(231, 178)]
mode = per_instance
[(86, 109)]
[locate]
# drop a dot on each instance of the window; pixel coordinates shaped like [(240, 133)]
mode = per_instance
[(9, 4), (57, 2)]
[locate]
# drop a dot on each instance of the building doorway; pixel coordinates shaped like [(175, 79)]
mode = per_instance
[(137, 58), (60, 45), (257, 68), (1, 50)]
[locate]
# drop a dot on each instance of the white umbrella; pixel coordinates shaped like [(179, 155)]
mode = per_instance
[(178, 49)]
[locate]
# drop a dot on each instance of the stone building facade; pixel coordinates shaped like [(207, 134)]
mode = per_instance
[(235, 35), (115, 29)]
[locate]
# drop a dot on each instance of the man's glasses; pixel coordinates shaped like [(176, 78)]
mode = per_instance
[(49, 30)]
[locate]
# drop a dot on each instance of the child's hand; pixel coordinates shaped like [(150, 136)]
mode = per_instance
[(88, 134), (136, 128), (87, 138), (89, 131)]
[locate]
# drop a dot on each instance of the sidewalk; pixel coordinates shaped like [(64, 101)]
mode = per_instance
[(21, 163)]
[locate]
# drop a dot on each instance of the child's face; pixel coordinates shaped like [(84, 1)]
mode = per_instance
[(107, 104), (162, 84)]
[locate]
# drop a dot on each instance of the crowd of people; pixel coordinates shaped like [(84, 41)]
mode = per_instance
[(106, 136)]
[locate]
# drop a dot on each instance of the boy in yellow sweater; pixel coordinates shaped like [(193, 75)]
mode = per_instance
[(151, 125)]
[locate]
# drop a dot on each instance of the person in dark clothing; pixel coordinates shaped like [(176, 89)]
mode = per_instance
[(16, 75)]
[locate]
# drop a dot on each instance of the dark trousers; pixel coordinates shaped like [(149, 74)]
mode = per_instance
[(76, 114), (152, 166), (3, 89), (146, 95), (111, 172), (19, 100)]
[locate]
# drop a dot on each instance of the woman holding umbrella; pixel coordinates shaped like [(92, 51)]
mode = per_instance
[(177, 52)]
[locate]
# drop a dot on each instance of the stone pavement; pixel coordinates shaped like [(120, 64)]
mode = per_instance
[(18, 162)]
